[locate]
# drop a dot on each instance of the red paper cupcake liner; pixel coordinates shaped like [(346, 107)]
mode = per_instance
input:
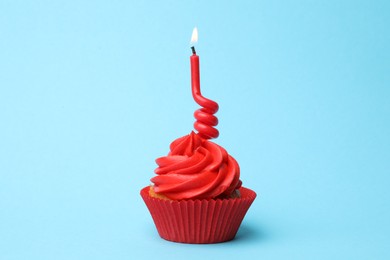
[(198, 221)]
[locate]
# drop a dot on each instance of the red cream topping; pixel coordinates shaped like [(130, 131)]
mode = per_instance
[(196, 168)]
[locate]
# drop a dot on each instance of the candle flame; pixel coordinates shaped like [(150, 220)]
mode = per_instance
[(194, 37)]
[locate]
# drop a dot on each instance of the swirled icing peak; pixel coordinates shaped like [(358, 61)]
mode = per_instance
[(196, 168)]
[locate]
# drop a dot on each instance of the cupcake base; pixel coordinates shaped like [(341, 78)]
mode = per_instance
[(198, 221)]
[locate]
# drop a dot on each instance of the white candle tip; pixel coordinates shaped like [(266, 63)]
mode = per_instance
[(194, 37)]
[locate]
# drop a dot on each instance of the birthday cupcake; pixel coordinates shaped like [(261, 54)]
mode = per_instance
[(197, 196)]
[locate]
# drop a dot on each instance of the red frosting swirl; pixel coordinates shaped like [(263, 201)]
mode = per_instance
[(196, 168)]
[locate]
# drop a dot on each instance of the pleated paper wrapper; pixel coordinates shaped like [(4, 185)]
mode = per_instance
[(198, 221)]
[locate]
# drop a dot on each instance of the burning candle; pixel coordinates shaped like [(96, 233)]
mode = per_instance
[(205, 119)]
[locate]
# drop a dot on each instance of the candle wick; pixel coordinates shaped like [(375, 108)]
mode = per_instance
[(193, 50)]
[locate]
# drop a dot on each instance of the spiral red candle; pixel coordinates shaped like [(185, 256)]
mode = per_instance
[(205, 119)]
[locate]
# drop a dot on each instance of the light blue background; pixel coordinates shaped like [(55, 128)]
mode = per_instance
[(91, 92)]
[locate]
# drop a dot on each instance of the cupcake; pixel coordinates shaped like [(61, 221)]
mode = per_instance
[(197, 195)]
